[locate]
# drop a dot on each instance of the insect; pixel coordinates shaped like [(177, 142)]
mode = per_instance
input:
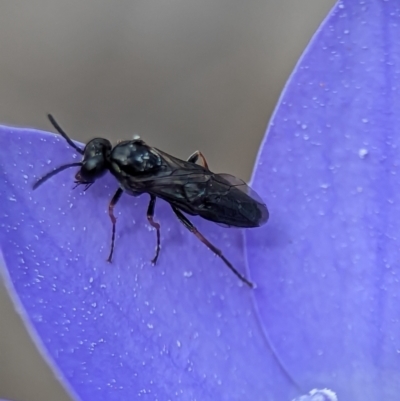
[(188, 187)]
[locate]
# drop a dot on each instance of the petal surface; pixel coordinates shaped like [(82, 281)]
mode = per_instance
[(182, 330), (327, 264)]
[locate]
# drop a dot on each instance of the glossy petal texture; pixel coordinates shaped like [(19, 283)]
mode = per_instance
[(328, 262), (182, 330)]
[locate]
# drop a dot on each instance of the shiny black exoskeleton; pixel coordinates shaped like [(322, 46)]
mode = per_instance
[(188, 187)]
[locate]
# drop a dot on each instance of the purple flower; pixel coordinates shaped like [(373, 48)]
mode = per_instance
[(327, 265)]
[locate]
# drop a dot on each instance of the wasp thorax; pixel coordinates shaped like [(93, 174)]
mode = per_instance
[(134, 158)]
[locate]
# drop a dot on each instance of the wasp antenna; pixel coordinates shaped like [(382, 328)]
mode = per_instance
[(63, 134), (43, 179)]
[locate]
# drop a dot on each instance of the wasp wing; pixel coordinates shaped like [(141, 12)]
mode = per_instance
[(234, 202), (221, 198)]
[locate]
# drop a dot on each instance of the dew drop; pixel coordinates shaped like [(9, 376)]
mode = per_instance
[(362, 153)]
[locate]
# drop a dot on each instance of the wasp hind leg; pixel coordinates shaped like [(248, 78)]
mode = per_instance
[(186, 222), (150, 215), (111, 205), (194, 157)]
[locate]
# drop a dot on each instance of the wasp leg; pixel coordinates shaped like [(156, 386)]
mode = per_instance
[(150, 215), (185, 221), (196, 156), (113, 202)]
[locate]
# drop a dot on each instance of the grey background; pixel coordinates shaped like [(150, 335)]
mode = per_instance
[(185, 75)]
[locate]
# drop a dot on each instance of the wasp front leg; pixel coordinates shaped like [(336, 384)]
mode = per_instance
[(113, 202), (150, 215), (194, 157)]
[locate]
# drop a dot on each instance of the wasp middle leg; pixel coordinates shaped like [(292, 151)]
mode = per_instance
[(111, 205), (150, 215)]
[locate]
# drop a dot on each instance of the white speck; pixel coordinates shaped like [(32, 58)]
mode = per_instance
[(12, 199), (178, 343), (318, 395), (187, 274), (364, 120), (91, 280), (362, 153), (324, 185), (149, 325), (330, 395), (304, 126)]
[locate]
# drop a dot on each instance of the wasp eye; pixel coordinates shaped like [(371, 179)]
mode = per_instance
[(92, 169)]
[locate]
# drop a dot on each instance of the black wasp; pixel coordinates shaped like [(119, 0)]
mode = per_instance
[(188, 187)]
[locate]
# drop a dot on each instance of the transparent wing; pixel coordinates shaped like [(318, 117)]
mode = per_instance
[(240, 185)]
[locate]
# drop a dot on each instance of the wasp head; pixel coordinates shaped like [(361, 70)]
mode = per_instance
[(94, 162)]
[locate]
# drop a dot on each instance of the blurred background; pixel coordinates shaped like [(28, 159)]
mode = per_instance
[(184, 75)]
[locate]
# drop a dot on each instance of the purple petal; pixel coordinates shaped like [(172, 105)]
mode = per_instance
[(328, 262), (184, 329)]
